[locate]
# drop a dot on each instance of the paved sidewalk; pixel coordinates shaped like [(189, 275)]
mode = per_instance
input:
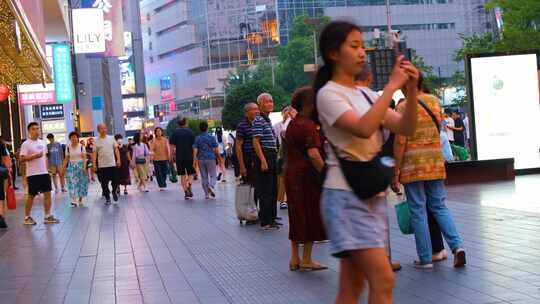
[(157, 248)]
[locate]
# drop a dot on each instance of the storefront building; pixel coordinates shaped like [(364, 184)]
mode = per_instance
[(25, 32)]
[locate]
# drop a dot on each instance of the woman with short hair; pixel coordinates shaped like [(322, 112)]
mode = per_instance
[(76, 170)]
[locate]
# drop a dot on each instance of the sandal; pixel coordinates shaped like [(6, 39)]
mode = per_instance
[(294, 267), (314, 267)]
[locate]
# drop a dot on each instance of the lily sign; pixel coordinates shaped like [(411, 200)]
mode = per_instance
[(88, 31)]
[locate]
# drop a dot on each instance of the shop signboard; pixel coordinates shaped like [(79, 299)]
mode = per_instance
[(112, 24), (52, 111), (88, 31), (62, 72), (32, 94)]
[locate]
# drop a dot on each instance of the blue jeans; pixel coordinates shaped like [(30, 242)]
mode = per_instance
[(433, 195)]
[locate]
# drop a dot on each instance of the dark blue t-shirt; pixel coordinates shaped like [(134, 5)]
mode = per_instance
[(183, 139)]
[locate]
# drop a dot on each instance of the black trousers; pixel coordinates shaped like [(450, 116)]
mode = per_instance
[(162, 168), (106, 175), (437, 243), (266, 188)]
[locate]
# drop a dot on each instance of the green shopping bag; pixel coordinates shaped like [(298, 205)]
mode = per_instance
[(173, 174), (404, 218), (461, 153)]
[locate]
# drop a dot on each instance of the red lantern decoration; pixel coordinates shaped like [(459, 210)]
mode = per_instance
[(4, 92)]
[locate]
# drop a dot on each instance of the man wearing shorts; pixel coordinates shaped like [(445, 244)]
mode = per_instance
[(181, 142), (55, 159), (33, 152)]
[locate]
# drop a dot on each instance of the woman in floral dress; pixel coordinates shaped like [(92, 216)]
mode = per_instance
[(76, 170)]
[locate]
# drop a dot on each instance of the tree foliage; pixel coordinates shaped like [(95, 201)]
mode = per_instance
[(521, 30), (239, 96), (300, 50)]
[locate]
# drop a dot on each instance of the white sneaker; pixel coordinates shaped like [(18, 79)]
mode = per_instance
[(420, 265)]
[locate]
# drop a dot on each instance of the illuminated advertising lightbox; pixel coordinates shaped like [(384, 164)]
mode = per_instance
[(133, 104), (127, 70), (112, 24), (32, 94), (506, 108), (88, 31), (62, 72), (166, 88)]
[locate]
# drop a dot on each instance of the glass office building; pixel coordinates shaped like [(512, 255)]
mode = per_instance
[(191, 46), (431, 27)]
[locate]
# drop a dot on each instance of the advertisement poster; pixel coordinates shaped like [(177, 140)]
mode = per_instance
[(506, 109), (127, 70), (113, 25)]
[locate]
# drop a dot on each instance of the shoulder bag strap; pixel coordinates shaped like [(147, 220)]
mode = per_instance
[(381, 128), (435, 121)]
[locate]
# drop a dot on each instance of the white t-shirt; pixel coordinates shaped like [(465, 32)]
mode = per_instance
[(104, 147), (75, 153), (36, 166), (449, 121), (333, 100)]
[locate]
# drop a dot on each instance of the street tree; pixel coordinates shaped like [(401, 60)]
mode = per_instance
[(239, 96)]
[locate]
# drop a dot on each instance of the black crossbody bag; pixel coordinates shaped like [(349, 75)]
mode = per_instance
[(366, 178)]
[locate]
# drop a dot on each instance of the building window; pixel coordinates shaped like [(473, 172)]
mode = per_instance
[(148, 17), (149, 31), (151, 59), (150, 45)]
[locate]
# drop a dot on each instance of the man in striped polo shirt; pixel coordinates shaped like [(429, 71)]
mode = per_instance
[(265, 145), (244, 143)]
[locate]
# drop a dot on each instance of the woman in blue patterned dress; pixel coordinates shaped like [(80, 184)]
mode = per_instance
[(75, 168)]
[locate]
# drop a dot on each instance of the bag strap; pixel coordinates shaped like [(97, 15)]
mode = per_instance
[(381, 127), (430, 113)]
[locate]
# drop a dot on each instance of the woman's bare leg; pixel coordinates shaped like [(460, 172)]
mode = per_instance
[(351, 283), (295, 256), (373, 263)]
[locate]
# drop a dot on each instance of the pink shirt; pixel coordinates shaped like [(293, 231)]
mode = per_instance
[(36, 166)]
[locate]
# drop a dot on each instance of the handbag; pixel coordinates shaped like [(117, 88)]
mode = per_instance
[(366, 178), (4, 173), (141, 160), (10, 196), (403, 214), (173, 175)]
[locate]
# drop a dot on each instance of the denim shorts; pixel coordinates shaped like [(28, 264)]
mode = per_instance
[(354, 224)]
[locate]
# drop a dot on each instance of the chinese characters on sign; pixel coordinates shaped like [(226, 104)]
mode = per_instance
[(62, 73), (31, 94), (54, 111), (112, 24)]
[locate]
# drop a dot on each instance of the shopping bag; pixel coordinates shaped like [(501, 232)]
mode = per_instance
[(10, 198), (246, 210), (446, 148), (173, 174), (403, 214), (460, 152)]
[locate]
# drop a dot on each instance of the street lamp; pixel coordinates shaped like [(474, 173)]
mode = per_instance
[(315, 22)]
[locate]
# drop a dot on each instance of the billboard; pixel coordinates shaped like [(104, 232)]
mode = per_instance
[(52, 111), (505, 108), (127, 70), (133, 104), (32, 94), (88, 31), (113, 25), (62, 72), (166, 86)]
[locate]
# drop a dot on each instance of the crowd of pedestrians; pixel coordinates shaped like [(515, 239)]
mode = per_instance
[(330, 162)]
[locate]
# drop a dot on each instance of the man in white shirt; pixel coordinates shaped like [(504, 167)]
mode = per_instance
[(449, 126), (33, 152), (107, 156)]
